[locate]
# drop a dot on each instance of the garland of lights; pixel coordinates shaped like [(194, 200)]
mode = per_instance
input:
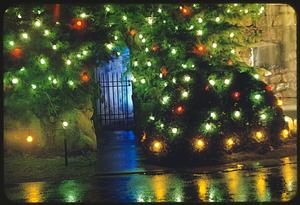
[(183, 62)]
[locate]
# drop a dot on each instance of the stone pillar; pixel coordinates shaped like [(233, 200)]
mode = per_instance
[(279, 27)]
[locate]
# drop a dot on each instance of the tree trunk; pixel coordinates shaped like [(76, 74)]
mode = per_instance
[(48, 129)]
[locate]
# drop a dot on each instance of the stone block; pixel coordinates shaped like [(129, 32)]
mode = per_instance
[(288, 93), (289, 77), (282, 86), (275, 79)]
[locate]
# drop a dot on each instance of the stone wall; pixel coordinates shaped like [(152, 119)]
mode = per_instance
[(278, 27)]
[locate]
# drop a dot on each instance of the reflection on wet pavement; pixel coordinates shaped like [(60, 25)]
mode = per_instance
[(276, 183)]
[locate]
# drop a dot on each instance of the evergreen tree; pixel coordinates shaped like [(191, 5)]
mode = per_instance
[(192, 93)]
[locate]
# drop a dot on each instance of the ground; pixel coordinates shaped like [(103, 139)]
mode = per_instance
[(111, 175)]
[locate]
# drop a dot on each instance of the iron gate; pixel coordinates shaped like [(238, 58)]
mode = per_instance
[(115, 109)]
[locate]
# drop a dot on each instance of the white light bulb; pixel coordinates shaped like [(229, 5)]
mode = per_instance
[(237, 114), (146, 49), (70, 82), (116, 37), (143, 40), (135, 63), (165, 84), (19, 16), (149, 63), (50, 78), (191, 27), (186, 78), (37, 23), (68, 62), (165, 99), (257, 96), (174, 80), (15, 80), (124, 18), (212, 82), (173, 51), (54, 47), (232, 51), (256, 76), (84, 53), (159, 10), (228, 10), (263, 116), (54, 81), (214, 45), (246, 11), (83, 15), (184, 94), (25, 35), (33, 86), (200, 20), (143, 81), (199, 33), (213, 115), (78, 55), (46, 32), (227, 81), (152, 117), (218, 19), (140, 36), (107, 9), (174, 130), (65, 124), (150, 21), (184, 65), (11, 43), (231, 35), (109, 46), (162, 125), (42, 61), (207, 126)]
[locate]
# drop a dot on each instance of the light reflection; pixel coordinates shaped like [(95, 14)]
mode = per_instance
[(236, 186), (70, 190), (33, 191), (159, 187), (289, 176), (203, 184), (263, 193)]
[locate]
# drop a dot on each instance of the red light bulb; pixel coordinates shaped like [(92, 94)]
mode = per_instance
[(206, 88), (17, 52), (269, 88), (179, 110), (78, 23), (236, 95)]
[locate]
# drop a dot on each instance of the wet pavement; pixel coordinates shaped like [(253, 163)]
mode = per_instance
[(125, 177)]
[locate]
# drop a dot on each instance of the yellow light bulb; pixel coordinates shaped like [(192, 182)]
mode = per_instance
[(157, 146), (199, 144), (230, 142), (285, 133), (258, 135), (29, 139), (279, 102)]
